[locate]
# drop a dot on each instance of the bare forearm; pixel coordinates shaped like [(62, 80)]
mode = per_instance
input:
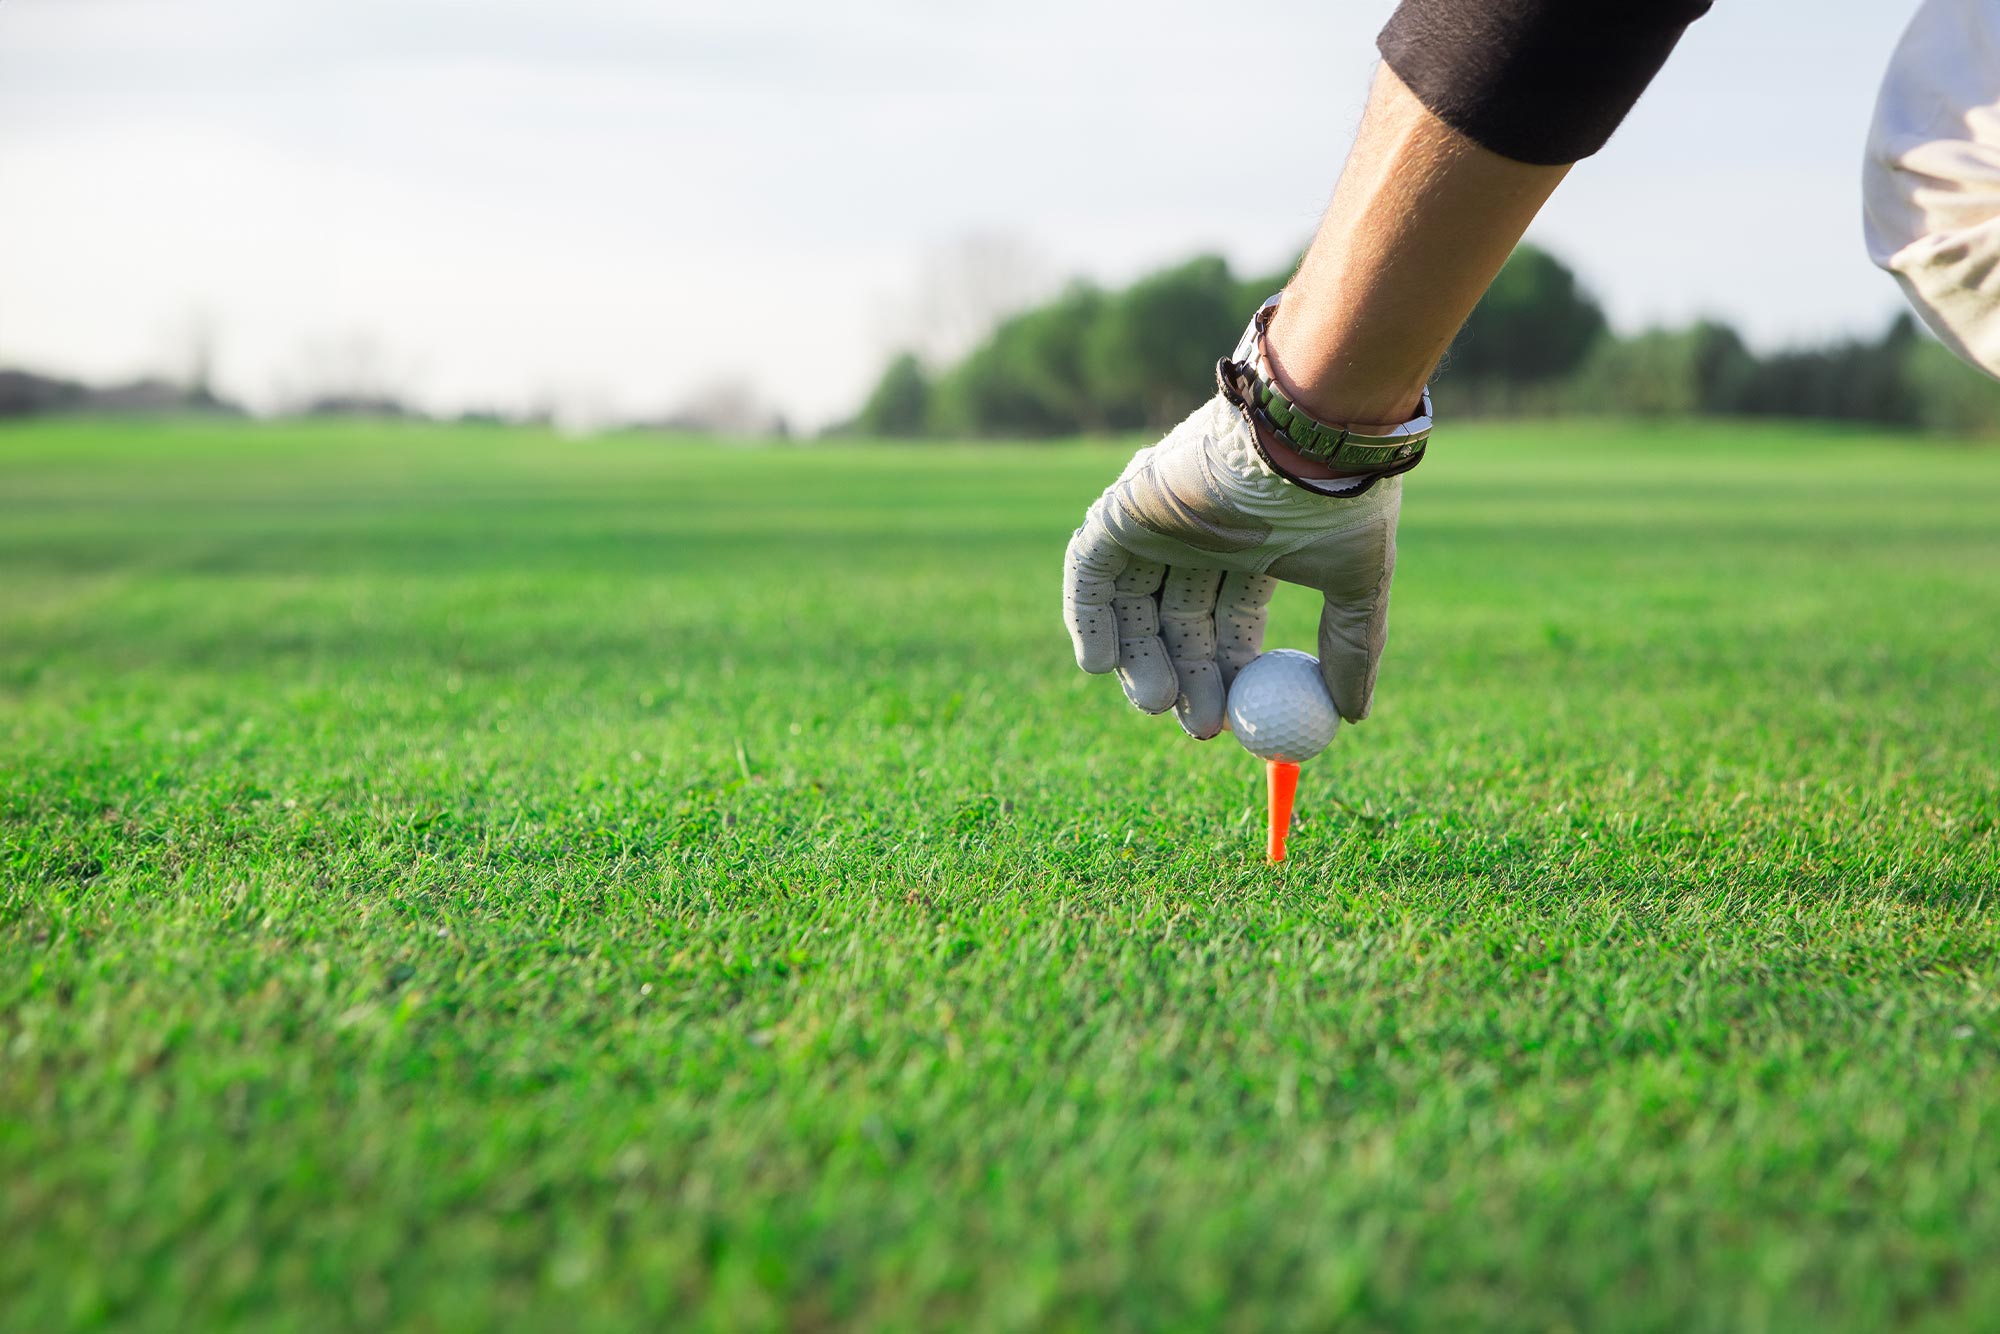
[(1478, 111), (1421, 221)]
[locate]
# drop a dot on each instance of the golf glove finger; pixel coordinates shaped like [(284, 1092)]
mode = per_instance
[(1167, 580)]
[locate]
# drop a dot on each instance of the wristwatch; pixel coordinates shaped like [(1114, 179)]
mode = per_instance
[(1246, 381)]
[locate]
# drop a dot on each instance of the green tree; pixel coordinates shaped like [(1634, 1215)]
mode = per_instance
[(1535, 324), (901, 402), (1029, 377), (1151, 358), (1950, 396), (1853, 380), (1667, 373), (1141, 358), (1087, 361)]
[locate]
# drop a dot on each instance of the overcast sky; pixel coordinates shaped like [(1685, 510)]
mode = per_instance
[(620, 204)]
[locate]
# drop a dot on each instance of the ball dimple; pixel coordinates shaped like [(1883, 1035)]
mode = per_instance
[(1279, 708)]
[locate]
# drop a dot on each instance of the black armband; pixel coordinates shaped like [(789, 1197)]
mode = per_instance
[(1539, 81)]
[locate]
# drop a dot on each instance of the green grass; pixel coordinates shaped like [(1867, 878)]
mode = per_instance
[(460, 877)]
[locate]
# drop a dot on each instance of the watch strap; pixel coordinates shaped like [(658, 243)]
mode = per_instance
[(1246, 379)]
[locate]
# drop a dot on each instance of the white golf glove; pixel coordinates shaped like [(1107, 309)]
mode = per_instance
[(1930, 185), (1167, 581)]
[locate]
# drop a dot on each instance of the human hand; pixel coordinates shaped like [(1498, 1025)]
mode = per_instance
[(1167, 581)]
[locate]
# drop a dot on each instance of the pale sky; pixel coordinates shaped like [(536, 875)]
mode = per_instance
[(615, 205)]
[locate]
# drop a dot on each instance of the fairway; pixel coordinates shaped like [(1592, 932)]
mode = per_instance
[(461, 876)]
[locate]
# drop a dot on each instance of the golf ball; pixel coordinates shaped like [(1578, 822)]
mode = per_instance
[(1279, 708)]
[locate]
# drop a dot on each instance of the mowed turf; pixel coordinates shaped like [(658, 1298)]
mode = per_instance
[(458, 877)]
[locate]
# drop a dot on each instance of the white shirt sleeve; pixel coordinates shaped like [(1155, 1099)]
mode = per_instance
[(1931, 182)]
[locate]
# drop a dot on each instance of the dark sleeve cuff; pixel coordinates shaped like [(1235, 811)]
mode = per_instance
[(1539, 81)]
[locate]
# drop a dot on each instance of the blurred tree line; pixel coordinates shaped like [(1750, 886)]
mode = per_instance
[(1141, 358)]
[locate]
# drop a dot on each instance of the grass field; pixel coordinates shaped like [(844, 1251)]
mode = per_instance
[(458, 877)]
